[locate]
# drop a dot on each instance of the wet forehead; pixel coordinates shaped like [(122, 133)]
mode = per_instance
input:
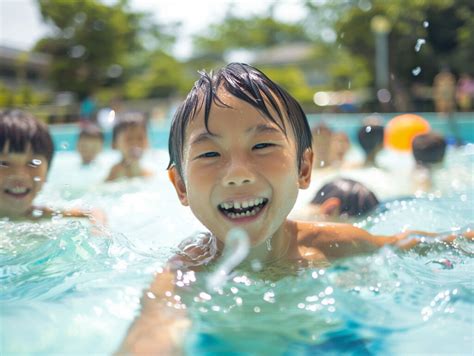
[(233, 114)]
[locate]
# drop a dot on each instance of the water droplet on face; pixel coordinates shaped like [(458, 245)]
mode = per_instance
[(269, 244), (256, 265), (419, 42), (37, 179), (426, 24), (416, 71)]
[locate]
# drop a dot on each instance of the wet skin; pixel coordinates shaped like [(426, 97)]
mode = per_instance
[(22, 175), (244, 173)]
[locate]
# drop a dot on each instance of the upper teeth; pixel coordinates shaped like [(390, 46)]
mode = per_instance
[(18, 190), (242, 204)]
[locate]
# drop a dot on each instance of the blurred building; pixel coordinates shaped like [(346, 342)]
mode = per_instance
[(297, 54), (20, 69)]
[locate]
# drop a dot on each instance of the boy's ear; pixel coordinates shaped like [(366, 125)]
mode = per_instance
[(179, 185), (305, 169), (331, 207)]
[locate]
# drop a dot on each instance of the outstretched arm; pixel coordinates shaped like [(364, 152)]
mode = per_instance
[(344, 240), (162, 322)]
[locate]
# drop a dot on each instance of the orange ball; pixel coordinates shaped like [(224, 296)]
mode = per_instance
[(402, 129)]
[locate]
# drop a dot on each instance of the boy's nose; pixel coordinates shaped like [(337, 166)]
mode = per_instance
[(238, 173)]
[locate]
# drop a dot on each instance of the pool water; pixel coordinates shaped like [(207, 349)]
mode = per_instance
[(69, 289)]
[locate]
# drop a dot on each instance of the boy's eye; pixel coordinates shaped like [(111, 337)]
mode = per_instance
[(35, 163), (260, 146), (208, 155)]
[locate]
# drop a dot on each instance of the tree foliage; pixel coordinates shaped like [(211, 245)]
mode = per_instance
[(91, 42)]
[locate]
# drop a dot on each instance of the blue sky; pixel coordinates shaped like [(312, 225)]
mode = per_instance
[(21, 26)]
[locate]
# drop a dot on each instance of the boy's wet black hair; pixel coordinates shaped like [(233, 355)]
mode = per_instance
[(370, 137), (23, 131), (429, 148), (92, 131), (127, 120), (248, 84), (356, 199)]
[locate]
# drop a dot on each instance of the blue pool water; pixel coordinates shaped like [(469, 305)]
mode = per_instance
[(69, 289)]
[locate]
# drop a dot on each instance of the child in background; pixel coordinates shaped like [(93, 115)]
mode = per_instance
[(428, 151), (129, 136), (90, 143), (240, 149), (321, 140), (338, 147), (26, 152), (371, 140), (340, 199)]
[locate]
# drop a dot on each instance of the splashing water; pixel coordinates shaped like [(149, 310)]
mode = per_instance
[(236, 249)]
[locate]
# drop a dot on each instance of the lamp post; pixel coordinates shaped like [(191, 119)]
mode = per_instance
[(381, 28)]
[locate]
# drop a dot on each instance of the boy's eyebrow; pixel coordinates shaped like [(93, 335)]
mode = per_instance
[(261, 128), (203, 136), (264, 128)]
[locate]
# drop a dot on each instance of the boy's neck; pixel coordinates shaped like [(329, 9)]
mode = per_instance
[(274, 248)]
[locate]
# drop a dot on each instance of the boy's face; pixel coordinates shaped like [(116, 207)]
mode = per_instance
[(131, 142), (21, 177), (89, 148), (244, 174)]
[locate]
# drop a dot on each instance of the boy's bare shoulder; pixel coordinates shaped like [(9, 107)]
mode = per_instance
[(115, 172)]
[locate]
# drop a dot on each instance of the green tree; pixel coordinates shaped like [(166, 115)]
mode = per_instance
[(92, 42), (425, 36)]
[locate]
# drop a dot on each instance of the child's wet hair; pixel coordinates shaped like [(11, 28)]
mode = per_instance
[(370, 137), (356, 199), (127, 120), (429, 148), (22, 131), (248, 84), (92, 131)]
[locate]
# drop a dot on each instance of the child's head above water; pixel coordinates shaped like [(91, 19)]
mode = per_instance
[(129, 135), (345, 197), (26, 151), (249, 85), (240, 147), (371, 138), (89, 143), (429, 148)]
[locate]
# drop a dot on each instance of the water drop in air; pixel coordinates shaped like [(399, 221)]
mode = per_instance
[(416, 71)]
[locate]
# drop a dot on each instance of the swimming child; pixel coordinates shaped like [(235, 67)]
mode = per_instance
[(339, 200), (321, 136), (26, 152), (240, 149), (129, 136), (371, 140), (428, 150), (90, 143)]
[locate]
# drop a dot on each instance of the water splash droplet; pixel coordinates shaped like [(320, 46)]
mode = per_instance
[(269, 243), (419, 42), (416, 71), (64, 145), (426, 24), (236, 249)]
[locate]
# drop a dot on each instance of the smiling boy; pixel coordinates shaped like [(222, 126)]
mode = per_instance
[(26, 152), (240, 149)]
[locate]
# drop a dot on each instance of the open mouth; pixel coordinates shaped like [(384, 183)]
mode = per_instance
[(17, 192), (242, 209)]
